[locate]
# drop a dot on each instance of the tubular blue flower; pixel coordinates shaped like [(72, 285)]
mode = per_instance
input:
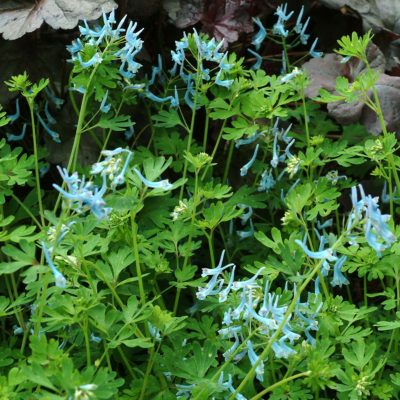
[(104, 107), (279, 29), (96, 59), (267, 181), (156, 71), (259, 37), (246, 234), (17, 113), (60, 280), (313, 52), (254, 359), (281, 12), (14, 138), (288, 77), (248, 165), (249, 140), (318, 255), (189, 92), (258, 63), (338, 278), (228, 353), (173, 100), (303, 36), (94, 338), (120, 178), (247, 215), (132, 37), (84, 195), (223, 294), (281, 349), (50, 118), (54, 135), (224, 66), (275, 147), (247, 283), (299, 25), (227, 83), (57, 101), (129, 132), (75, 47), (327, 224), (163, 184)]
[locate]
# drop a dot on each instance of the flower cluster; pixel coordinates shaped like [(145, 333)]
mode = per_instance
[(111, 166), (82, 195), (192, 60), (89, 50), (375, 227), (256, 308), (280, 29)]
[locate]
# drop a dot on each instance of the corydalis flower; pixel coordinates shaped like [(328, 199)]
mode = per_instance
[(163, 184), (318, 255), (248, 165), (376, 229), (60, 280), (82, 195), (260, 36)]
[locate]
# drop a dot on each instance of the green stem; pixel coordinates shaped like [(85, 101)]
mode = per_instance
[(153, 354), (280, 383), (215, 148), (211, 248), (228, 161), (85, 330), (36, 155), (206, 126), (137, 257)]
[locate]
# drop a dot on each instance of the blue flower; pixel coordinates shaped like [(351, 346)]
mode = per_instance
[(313, 53), (259, 37), (164, 184), (50, 119), (288, 77), (156, 70), (225, 83), (129, 132), (17, 114), (60, 280), (281, 12), (96, 59), (84, 195), (279, 29), (104, 107), (246, 234), (58, 102), (299, 25), (303, 36), (253, 359), (281, 349), (13, 138), (248, 165), (318, 255), (54, 135), (338, 278), (249, 140), (267, 181), (258, 63)]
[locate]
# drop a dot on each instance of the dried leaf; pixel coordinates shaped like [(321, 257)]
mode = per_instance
[(222, 19), (374, 13), (20, 17)]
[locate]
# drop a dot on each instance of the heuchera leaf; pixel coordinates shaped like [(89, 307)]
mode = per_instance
[(18, 18)]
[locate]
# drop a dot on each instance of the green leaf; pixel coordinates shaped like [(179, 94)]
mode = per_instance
[(118, 123), (167, 119)]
